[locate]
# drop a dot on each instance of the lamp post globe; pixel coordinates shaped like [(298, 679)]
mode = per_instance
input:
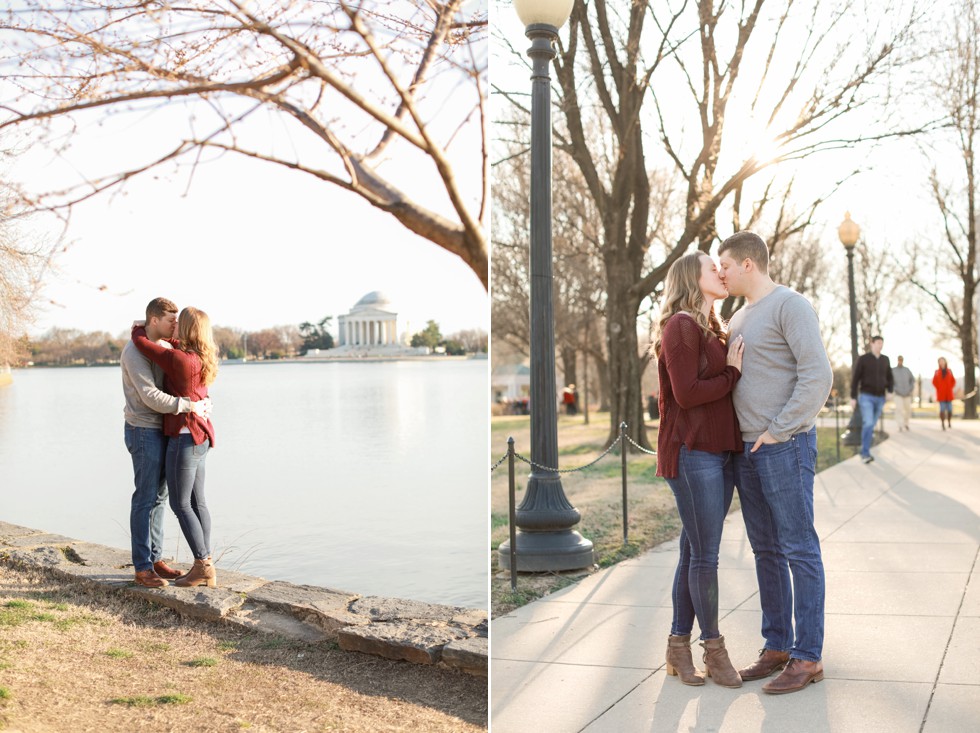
[(849, 233), (544, 12), (545, 540)]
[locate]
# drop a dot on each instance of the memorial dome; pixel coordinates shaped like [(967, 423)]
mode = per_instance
[(374, 299)]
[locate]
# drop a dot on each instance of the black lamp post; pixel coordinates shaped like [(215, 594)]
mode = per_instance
[(545, 538), (849, 232)]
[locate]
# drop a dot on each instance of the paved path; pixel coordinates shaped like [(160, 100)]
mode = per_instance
[(900, 543)]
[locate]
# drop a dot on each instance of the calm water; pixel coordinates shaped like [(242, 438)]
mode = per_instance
[(362, 477)]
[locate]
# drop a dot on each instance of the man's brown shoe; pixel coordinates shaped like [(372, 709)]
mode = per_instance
[(149, 579), (797, 675), (768, 662), (165, 571)]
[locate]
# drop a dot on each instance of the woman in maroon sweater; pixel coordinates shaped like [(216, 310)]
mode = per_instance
[(698, 431), (190, 364)]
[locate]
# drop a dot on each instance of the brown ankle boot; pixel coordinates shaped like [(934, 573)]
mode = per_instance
[(717, 665), (680, 663), (202, 573)]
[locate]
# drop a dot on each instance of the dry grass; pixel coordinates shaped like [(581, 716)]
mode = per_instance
[(596, 492), (78, 660)]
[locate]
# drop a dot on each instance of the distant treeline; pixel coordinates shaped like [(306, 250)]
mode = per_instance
[(71, 347)]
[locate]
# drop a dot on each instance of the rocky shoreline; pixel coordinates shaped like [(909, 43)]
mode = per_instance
[(421, 633)]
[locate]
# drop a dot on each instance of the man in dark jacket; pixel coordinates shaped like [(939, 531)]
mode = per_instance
[(871, 380)]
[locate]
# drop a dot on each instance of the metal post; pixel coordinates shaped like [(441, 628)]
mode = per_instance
[(585, 387), (545, 517), (511, 503), (837, 423), (622, 452), (852, 436)]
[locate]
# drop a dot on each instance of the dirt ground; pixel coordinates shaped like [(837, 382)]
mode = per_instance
[(79, 660)]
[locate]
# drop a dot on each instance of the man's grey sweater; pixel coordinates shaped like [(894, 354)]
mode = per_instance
[(786, 375), (142, 381), (904, 380)]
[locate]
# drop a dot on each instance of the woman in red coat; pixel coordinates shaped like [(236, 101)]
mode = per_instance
[(944, 381), (698, 431), (189, 366)]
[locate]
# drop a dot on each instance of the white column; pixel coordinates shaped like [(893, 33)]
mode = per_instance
[(357, 332)]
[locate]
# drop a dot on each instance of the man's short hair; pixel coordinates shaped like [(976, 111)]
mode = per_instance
[(159, 307), (747, 245), (877, 338)]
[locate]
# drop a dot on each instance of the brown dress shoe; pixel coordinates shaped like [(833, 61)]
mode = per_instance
[(165, 571), (768, 662), (149, 579), (797, 675)]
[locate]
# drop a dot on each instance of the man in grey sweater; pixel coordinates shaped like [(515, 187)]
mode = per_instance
[(786, 378), (146, 403), (904, 382)]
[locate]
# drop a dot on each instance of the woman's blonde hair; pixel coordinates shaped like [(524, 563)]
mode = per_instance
[(194, 332), (682, 293)]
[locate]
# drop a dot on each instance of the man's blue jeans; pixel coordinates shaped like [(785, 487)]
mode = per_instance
[(148, 448), (703, 490), (775, 487), (871, 407)]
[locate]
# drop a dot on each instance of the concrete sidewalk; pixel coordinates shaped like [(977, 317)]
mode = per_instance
[(900, 544)]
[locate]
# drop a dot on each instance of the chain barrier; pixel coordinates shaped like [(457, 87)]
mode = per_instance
[(538, 466), (497, 465), (640, 447)]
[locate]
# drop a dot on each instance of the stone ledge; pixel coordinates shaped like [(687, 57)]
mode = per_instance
[(394, 628)]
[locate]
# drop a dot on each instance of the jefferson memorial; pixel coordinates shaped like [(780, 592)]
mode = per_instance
[(371, 322), (370, 328)]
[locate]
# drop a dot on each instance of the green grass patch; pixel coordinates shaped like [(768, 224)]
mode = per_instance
[(203, 662), (118, 654), (18, 604), (498, 520), (145, 701), (157, 646), (4, 693), (228, 646), (275, 642)]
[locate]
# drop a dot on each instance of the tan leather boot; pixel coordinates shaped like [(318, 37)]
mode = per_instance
[(201, 573), (717, 665), (680, 663)]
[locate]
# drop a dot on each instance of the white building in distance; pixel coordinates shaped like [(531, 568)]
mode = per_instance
[(369, 329), (371, 322)]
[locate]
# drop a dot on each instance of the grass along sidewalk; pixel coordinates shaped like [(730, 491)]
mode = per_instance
[(597, 493), (74, 659)]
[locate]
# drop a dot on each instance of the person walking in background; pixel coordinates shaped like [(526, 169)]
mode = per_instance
[(698, 432), (870, 381), (944, 381), (569, 399), (146, 403), (786, 379), (190, 366), (903, 382)]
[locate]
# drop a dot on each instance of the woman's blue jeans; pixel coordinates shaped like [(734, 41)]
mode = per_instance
[(185, 475), (703, 490), (775, 487)]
